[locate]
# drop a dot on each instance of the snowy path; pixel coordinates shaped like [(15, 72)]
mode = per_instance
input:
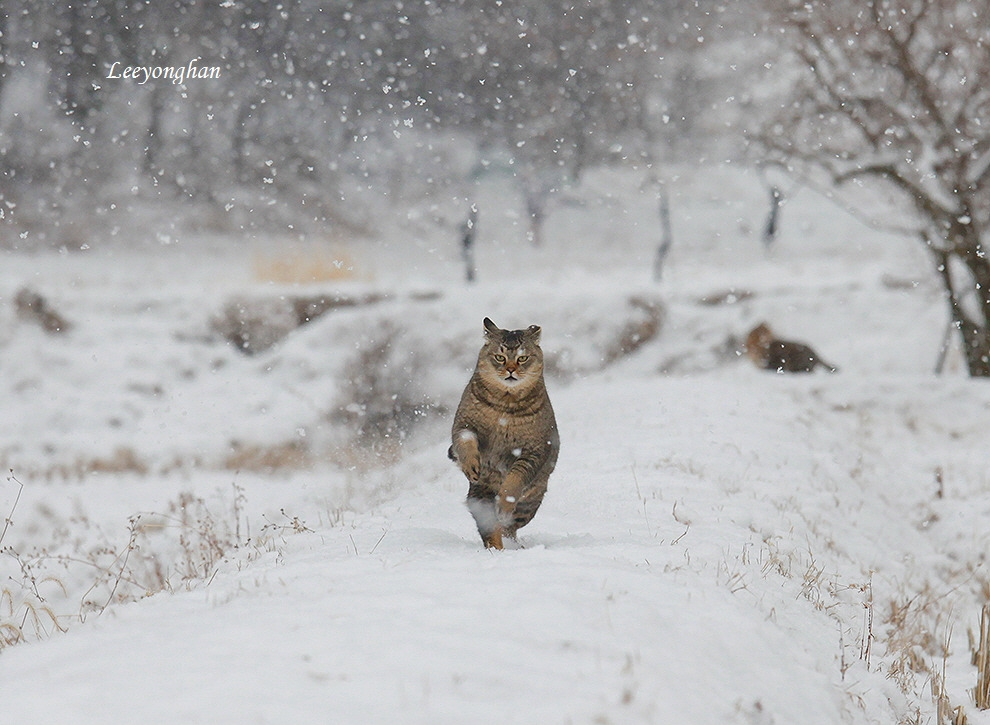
[(622, 607)]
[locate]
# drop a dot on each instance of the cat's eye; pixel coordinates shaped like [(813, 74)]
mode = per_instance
[(499, 359), (522, 358)]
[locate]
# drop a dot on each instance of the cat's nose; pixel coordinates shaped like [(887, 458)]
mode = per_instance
[(511, 367)]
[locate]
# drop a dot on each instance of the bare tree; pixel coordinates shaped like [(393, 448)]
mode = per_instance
[(315, 95), (4, 44), (899, 91), (558, 86)]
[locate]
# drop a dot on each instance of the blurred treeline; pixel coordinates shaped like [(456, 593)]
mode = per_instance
[(319, 104)]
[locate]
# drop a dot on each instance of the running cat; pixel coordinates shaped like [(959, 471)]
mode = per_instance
[(504, 436)]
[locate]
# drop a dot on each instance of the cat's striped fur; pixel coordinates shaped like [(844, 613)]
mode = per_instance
[(504, 436)]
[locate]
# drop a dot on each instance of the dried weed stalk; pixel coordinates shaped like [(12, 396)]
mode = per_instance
[(24, 605), (981, 658), (185, 545)]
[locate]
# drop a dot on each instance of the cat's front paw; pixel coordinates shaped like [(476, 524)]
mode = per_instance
[(471, 467)]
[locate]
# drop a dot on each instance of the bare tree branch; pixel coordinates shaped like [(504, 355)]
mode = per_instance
[(897, 90)]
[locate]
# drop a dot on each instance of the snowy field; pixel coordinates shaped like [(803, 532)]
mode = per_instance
[(231, 538)]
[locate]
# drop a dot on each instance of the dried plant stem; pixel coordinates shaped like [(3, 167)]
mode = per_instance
[(7, 521), (982, 661), (131, 543), (866, 651)]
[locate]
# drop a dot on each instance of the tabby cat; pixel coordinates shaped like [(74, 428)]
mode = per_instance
[(504, 435), (769, 352)]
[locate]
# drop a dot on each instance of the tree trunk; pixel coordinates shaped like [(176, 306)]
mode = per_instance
[(974, 332), (4, 48), (153, 139), (536, 204), (666, 237), (241, 136), (467, 243), (773, 217)]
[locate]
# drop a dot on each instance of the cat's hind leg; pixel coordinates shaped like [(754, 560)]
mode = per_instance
[(527, 506), (481, 504)]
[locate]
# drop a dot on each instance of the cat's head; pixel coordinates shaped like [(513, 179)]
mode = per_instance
[(758, 341), (511, 359)]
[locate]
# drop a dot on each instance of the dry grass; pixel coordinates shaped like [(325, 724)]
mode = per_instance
[(304, 265), (945, 713), (913, 646), (181, 547), (25, 614), (981, 659), (25, 604), (901, 636), (289, 455), (123, 459), (256, 457), (255, 324), (909, 627)]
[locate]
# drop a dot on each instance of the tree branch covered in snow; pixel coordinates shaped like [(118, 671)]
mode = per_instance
[(896, 90)]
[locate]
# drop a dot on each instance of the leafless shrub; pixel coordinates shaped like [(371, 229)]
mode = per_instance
[(252, 326), (292, 524), (641, 328), (883, 92), (32, 307), (25, 604), (183, 545), (255, 324), (203, 539), (640, 323), (382, 401)]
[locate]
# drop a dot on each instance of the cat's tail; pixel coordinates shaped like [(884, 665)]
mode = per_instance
[(829, 368)]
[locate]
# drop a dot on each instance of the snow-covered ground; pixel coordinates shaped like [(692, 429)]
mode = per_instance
[(718, 544)]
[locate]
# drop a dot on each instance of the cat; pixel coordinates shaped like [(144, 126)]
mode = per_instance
[(782, 356), (504, 436)]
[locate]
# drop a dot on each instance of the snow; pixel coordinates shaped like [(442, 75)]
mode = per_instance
[(718, 544)]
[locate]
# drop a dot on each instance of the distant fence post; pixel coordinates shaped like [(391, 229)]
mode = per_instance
[(666, 236)]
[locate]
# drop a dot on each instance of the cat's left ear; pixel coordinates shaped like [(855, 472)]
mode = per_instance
[(534, 333), (491, 328)]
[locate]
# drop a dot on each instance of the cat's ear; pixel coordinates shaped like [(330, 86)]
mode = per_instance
[(534, 333), (491, 328)]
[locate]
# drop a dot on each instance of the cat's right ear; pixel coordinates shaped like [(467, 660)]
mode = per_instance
[(491, 328)]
